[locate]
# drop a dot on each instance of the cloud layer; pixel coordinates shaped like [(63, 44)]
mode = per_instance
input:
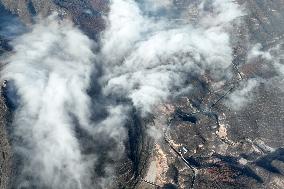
[(158, 54), (51, 69), (147, 55)]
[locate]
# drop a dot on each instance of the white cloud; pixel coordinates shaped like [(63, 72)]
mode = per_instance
[(148, 58), (256, 52), (219, 12), (50, 67), (243, 95)]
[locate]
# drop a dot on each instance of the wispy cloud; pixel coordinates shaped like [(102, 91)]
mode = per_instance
[(50, 67), (148, 59), (242, 95)]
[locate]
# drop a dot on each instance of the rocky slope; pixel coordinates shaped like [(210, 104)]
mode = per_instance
[(207, 144)]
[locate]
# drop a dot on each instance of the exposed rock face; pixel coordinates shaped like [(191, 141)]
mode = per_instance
[(86, 13), (205, 144), (5, 152)]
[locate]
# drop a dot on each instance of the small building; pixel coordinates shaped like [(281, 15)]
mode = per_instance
[(4, 84), (183, 150)]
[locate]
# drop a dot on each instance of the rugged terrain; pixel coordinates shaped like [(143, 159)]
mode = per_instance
[(203, 143)]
